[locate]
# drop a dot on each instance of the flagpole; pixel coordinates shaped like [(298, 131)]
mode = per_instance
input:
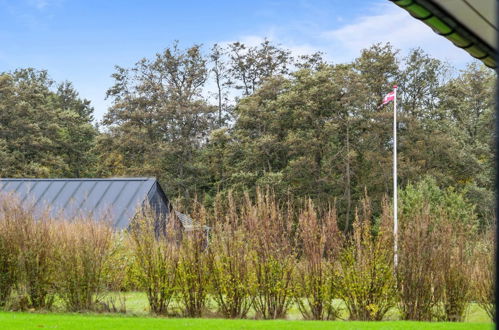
[(395, 186)]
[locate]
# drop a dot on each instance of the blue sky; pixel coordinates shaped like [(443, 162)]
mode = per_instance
[(81, 41)]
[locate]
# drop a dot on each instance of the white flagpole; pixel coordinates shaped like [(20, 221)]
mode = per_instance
[(395, 208)]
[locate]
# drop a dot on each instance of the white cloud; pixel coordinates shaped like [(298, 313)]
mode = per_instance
[(386, 23), (391, 24)]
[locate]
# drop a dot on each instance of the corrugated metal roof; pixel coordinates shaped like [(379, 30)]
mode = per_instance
[(114, 199), (184, 219)]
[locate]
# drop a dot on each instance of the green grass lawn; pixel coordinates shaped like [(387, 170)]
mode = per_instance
[(136, 304), (137, 317), (13, 320)]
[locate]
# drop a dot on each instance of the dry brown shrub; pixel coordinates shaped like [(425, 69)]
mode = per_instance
[(9, 247), (38, 244), (483, 273), (315, 279), (436, 264), (85, 246), (274, 259), (455, 260), (419, 266)]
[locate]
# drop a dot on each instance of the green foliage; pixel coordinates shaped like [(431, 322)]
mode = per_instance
[(366, 275), (156, 262), (43, 133), (193, 275), (316, 282), (159, 118), (232, 279), (483, 275), (85, 249), (299, 125), (9, 251), (447, 203)]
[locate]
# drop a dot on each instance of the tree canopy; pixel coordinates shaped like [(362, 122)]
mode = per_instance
[(236, 117)]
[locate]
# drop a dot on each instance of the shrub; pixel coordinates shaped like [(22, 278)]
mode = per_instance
[(437, 229), (37, 266), (194, 275), (484, 274), (274, 257), (418, 267), (315, 279), (156, 260), (85, 248), (232, 279), (120, 269), (455, 264), (366, 281), (9, 251)]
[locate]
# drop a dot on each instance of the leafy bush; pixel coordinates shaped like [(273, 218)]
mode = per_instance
[(38, 245), (366, 281), (436, 230), (232, 279), (274, 256), (315, 279), (418, 265), (484, 274), (193, 275), (85, 248), (9, 252), (156, 260)]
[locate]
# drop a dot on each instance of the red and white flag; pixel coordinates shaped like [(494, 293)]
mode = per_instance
[(389, 97)]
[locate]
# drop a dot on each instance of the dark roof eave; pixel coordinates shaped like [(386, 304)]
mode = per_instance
[(444, 24)]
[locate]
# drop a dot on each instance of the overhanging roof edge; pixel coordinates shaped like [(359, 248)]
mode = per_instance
[(446, 25)]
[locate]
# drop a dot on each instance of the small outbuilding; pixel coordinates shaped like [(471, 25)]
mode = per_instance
[(117, 200)]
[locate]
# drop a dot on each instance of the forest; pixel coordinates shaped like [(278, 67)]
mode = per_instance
[(222, 120)]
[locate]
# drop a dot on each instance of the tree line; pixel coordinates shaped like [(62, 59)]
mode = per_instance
[(236, 117)]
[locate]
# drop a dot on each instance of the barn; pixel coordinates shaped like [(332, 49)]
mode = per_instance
[(115, 199)]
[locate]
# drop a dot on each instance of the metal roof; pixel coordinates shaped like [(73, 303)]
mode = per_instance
[(186, 220), (469, 24), (115, 199)]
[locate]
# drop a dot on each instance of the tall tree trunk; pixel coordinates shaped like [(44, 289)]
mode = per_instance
[(217, 77)]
